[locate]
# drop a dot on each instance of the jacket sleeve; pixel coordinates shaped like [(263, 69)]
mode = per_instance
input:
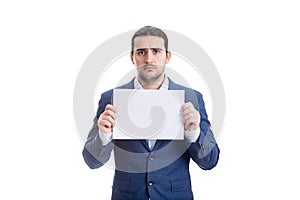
[(94, 153), (205, 151)]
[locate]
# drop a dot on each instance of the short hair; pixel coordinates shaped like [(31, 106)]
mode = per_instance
[(150, 31)]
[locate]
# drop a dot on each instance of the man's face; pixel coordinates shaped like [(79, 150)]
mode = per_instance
[(150, 57)]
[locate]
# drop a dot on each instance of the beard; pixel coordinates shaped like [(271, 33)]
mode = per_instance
[(150, 78)]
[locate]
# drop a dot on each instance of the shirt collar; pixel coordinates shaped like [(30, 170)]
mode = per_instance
[(164, 86)]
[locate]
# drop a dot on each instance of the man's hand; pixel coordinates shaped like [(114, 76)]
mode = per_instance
[(106, 121), (190, 116)]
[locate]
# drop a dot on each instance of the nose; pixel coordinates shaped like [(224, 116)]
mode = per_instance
[(149, 57)]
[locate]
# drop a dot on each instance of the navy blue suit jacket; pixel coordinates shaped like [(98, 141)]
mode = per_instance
[(160, 173)]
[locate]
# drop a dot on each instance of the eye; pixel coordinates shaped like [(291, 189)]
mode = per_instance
[(141, 52), (156, 51)]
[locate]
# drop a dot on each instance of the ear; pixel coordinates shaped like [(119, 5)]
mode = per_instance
[(131, 58), (168, 56)]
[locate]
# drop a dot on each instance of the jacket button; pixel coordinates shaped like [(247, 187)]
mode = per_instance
[(150, 183)]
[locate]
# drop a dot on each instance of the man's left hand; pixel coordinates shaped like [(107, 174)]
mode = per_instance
[(190, 116)]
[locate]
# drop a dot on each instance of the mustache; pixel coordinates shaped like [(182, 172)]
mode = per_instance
[(148, 65)]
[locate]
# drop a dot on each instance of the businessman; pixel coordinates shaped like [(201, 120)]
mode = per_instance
[(152, 169)]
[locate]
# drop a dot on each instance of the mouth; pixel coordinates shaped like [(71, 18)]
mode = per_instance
[(149, 67)]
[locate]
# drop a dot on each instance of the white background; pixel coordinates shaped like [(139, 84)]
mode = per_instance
[(255, 46)]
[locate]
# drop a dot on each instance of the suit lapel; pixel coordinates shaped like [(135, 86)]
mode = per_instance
[(145, 143), (160, 144), (129, 85)]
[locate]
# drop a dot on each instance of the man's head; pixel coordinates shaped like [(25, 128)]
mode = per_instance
[(150, 55)]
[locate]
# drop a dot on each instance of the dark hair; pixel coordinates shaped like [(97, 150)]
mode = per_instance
[(149, 31)]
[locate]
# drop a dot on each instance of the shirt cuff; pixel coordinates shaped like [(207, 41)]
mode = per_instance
[(192, 136), (105, 138)]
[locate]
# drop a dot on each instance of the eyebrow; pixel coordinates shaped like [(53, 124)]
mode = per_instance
[(143, 49)]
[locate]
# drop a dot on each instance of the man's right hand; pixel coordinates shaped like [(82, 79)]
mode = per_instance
[(106, 121)]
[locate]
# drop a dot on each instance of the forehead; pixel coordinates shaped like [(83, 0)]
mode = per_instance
[(142, 42)]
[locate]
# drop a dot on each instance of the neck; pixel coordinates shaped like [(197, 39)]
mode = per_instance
[(152, 85)]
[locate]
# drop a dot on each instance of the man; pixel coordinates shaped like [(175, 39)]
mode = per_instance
[(152, 169)]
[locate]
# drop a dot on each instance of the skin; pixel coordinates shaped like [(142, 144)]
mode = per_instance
[(150, 57)]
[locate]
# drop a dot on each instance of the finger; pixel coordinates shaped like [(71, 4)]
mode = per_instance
[(109, 113), (110, 107), (195, 116), (191, 121), (188, 107), (189, 114), (105, 124), (109, 119), (105, 129), (186, 116), (191, 125)]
